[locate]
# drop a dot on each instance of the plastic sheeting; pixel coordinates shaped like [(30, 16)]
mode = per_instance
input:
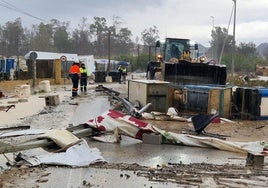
[(198, 141), (78, 155), (115, 122)]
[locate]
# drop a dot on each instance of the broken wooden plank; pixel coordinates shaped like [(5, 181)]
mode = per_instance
[(8, 148), (15, 128)]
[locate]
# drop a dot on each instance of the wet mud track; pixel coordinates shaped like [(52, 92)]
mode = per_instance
[(131, 163)]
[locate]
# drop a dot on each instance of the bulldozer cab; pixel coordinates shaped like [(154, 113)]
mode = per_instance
[(174, 48)]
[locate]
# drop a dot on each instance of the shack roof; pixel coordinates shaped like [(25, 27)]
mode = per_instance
[(53, 56)]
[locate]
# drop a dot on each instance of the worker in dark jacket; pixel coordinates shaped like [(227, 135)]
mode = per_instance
[(74, 73), (83, 81)]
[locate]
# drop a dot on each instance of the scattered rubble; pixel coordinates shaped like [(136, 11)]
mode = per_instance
[(165, 174)]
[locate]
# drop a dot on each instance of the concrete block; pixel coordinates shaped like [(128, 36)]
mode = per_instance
[(23, 100), (13, 101), (152, 138), (108, 79), (52, 100), (255, 159)]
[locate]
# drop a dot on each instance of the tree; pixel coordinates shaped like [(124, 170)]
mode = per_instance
[(61, 39), (43, 38), (245, 58), (26, 41), (3, 49), (247, 49), (221, 41), (11, 38), (123, 43), (120, 38), (99, 32), (81, 38), (150, 36)]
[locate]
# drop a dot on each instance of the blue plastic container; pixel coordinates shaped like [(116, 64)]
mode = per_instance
[(264, 92), (9, 65)]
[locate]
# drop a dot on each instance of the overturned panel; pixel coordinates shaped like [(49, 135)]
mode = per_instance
[(201, 98)]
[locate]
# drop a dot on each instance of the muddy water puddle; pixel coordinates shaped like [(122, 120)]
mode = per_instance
[(134, 151), (93, 177)]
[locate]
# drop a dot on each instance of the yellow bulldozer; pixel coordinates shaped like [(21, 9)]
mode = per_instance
[(179, 61)]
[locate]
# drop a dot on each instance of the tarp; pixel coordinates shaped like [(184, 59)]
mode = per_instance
[(116, 122), (198, 141)]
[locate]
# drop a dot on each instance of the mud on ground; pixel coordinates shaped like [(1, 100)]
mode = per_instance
[(164, 174), (191, 175)]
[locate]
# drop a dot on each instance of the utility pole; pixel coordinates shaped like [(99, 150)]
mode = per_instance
[(233, 53), (212, 50), (109, 51), (138, 60)]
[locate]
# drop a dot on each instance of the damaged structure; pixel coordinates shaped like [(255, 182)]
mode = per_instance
[(186, 94)]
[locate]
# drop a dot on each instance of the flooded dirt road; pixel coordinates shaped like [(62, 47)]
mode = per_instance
[(132, 163)]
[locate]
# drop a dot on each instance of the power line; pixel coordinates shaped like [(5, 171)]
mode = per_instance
[(14, 8)]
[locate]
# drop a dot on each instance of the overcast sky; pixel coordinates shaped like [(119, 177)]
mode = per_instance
[(191, 19)]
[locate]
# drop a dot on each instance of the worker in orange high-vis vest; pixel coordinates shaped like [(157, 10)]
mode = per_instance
[(74, 73)]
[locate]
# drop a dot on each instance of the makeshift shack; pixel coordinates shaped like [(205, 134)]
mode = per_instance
[(49, 65)]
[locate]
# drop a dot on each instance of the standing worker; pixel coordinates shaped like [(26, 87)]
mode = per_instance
[(74, 73), (122, 73), (83, 81)]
